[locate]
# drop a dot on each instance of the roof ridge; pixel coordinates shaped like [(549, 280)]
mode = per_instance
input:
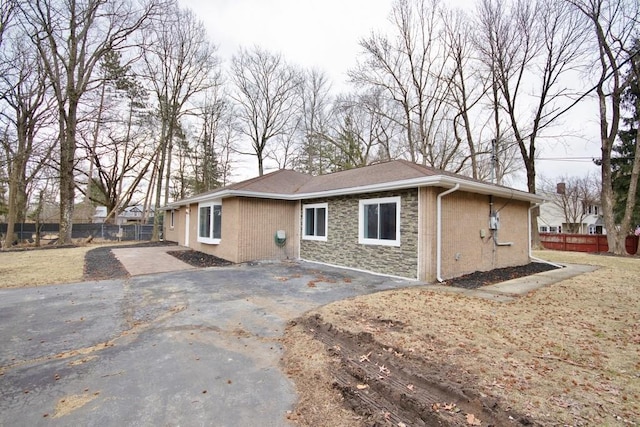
[(419, 167), (259, 178)]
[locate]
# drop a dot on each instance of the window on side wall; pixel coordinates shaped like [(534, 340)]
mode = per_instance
[(314, 221), (209, 223), (379, 221), (544, 229), (172, 223)]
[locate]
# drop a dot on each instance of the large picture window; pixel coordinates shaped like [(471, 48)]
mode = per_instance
[(314, 221), (379, 221), (209, 223)]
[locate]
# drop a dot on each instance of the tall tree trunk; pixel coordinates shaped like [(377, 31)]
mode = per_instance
[(12, 214), (155, 236), (67, 179)]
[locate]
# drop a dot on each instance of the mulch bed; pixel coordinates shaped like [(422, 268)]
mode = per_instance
[(484, 278), (101, 264), (199, 259)]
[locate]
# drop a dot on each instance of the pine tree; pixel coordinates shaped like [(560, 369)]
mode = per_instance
[(625, 149)]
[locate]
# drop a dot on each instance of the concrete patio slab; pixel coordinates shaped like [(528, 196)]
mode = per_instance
[(149, 260)]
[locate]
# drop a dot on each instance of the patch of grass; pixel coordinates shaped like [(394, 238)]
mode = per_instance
[(36, 267)]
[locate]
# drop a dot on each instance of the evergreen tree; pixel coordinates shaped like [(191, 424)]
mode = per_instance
[(625, 149)]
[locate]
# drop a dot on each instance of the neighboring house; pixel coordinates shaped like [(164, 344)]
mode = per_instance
[(395, 218), (552, 219), (130, 215)]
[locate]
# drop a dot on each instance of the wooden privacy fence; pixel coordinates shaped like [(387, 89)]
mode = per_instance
[(583, 242)]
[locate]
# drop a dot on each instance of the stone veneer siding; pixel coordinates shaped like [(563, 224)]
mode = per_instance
[(342, 247)]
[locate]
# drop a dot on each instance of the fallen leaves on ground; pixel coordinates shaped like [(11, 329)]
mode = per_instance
[(563, 354)]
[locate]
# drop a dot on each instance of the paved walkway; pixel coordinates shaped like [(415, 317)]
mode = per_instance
[(512, 289), (149, 260)]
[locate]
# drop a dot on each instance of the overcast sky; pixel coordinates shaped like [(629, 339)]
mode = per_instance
[(325, 34), (310, 33)]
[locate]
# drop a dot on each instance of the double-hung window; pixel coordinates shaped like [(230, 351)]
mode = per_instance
[(314, 221), (209, 222), (379, 221)]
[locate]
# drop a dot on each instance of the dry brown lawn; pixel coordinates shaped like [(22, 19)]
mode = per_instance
[(37, 267), (567, 354)]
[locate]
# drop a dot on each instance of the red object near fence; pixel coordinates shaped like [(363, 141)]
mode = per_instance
[(583, 242)]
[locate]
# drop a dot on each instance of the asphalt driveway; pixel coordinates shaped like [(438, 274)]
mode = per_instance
[(189, 348)]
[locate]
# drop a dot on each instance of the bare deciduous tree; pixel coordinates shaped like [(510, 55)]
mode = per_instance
[(611, 24), (7, 11), (214, 141), (25, 113), (358, 136), (529, 48), (315, 118), (267, 94), (410, 67), (180, 62), (572, 196), (467, 85), (71, 38), (115, 139)]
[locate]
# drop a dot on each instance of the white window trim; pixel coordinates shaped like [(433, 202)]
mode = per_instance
[(172, 224), (381, 242), (208, 240), (326, 221)]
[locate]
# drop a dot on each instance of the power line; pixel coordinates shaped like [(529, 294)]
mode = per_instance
[(567, 159)]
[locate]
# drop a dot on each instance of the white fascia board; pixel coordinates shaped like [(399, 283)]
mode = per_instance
[(430, 181)]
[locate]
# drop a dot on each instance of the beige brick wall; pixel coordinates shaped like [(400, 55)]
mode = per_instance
[(228, 247), (248, 230), (427, 227), (260, 219), (175, 233), (464, 250)]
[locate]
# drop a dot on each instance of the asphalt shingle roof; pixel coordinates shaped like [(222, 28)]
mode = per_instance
[(290, 183)]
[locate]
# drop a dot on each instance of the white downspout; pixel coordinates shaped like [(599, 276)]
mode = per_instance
[(439, 231), (531, 257)]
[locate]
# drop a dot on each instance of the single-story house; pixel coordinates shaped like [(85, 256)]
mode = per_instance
[(395, 218)]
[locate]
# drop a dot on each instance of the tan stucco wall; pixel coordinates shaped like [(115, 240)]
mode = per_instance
[(248, 230), (464, 251)]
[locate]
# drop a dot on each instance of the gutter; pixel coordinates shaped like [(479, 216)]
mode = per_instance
[(531, 257), (439, 231)]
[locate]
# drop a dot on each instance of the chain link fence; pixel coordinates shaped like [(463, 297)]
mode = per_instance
[(26, 232)]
